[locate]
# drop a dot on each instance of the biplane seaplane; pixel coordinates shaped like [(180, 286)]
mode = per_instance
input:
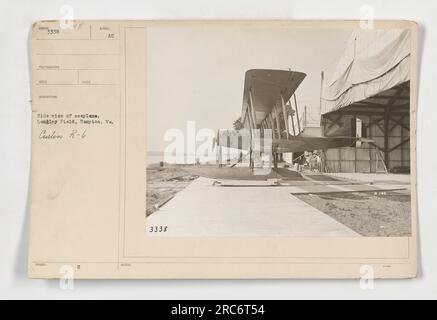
[(269, 125)]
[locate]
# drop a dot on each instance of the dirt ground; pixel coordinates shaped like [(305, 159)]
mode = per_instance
[(163, 184), (370, 215)]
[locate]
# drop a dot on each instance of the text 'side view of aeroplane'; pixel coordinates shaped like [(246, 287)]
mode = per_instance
[(267, 112)]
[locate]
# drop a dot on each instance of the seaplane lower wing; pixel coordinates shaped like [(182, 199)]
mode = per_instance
[(242, 140), (300, 144)]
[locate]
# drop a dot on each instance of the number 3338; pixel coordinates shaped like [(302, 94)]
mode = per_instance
[(156, 229)]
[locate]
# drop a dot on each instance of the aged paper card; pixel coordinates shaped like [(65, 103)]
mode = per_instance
[(223, 149)]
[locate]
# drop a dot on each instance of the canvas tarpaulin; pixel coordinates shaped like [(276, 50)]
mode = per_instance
[(374, 61)]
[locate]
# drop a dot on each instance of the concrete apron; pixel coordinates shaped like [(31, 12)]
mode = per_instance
[(205, 209)]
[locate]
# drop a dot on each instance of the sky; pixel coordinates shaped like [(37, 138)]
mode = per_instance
[(197, 74)]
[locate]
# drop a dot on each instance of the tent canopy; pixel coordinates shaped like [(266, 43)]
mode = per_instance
[(373, 62)]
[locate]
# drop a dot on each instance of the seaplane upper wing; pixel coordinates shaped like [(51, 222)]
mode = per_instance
[(263, 89)]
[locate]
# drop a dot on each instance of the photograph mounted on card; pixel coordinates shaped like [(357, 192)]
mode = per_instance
[(224, 149)]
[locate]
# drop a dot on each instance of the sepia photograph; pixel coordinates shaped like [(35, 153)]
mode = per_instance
[(218, 156), (258, 130)]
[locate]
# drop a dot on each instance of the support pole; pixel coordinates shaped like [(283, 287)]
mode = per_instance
[(402, 139), (275, 160), (278, 123), (254, 127), (249, 114), (252, 109), (272, 124), (297, 112), (284, 111), (386, 123), (292, 124), (322, 78)]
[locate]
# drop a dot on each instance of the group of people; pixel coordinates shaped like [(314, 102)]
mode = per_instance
[(314, 161), (311, 160)]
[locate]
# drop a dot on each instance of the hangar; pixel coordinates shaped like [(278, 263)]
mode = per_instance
[(368, 97)]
